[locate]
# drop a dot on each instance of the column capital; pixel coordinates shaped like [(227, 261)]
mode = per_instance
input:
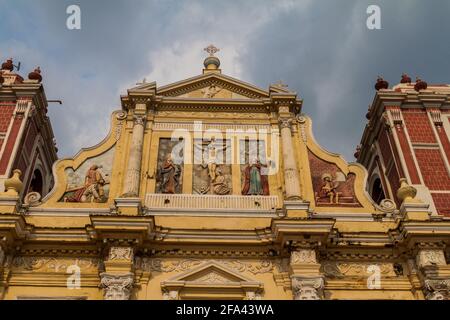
[(285, 122), (117, 286), (437, 289), (139, 119), (307, 288), (170, 294)]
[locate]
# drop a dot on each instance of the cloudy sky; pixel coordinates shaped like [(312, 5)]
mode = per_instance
[(322, 49)]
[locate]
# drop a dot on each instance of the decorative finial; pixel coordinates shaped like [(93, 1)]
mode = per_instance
[(357, 151), (211, 63), (211, 49), (368, 114), (8, 65), (35, 75), (405, 78), (13, 185), (381, 84), (420, 84), (280, 84), (406, 192), (144, 81)]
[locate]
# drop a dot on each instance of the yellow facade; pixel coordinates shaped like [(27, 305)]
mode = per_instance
[(107, 231)]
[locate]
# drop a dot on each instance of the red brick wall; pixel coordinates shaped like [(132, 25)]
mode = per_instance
[(444, 140), (386, 152), (392, 175), (418, 125), (407, 154), (6, 113), (442, 203), (433, 169), (10, 144), (26, 145)]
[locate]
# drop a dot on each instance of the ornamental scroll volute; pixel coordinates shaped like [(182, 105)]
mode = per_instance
[(90, 177), (331, 182)]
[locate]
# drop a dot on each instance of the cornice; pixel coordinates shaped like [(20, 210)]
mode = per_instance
[(213, 236), (404, 100), (413, 233), (121, 227), (225, 105), (202, 252), (311, 230), (197, 82)]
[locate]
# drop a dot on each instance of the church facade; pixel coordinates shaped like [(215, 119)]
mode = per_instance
[(213, 188)]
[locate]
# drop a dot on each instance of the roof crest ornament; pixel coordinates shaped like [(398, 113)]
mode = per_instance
[(211, 49)]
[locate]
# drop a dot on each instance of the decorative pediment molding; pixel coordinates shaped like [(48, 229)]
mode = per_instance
[(211, 84), (211, 270), (211, 275)]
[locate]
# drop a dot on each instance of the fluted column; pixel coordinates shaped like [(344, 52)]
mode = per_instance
[(291, 178), (133, 173)]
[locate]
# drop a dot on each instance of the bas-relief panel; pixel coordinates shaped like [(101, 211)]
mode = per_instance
[(170, 166), (213, 91), (212, 168), (90, 182), (331, 186), (254, 167)]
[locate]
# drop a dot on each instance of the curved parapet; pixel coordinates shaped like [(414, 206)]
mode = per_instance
[(331, 184), (89, 179)]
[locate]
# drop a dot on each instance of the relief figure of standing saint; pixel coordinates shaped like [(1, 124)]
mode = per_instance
[(170, 173), (255, 183)]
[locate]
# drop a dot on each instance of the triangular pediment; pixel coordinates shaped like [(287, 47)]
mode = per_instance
[(205, 279), (211, 86), (209, 273)]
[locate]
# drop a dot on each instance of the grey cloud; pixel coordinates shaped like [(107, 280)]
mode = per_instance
[(322, 49)]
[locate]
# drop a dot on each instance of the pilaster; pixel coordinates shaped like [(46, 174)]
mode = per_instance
[(307, 282), (118, 278), (434, 271)]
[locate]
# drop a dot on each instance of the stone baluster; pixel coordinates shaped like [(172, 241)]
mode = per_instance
[(291, 178)]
